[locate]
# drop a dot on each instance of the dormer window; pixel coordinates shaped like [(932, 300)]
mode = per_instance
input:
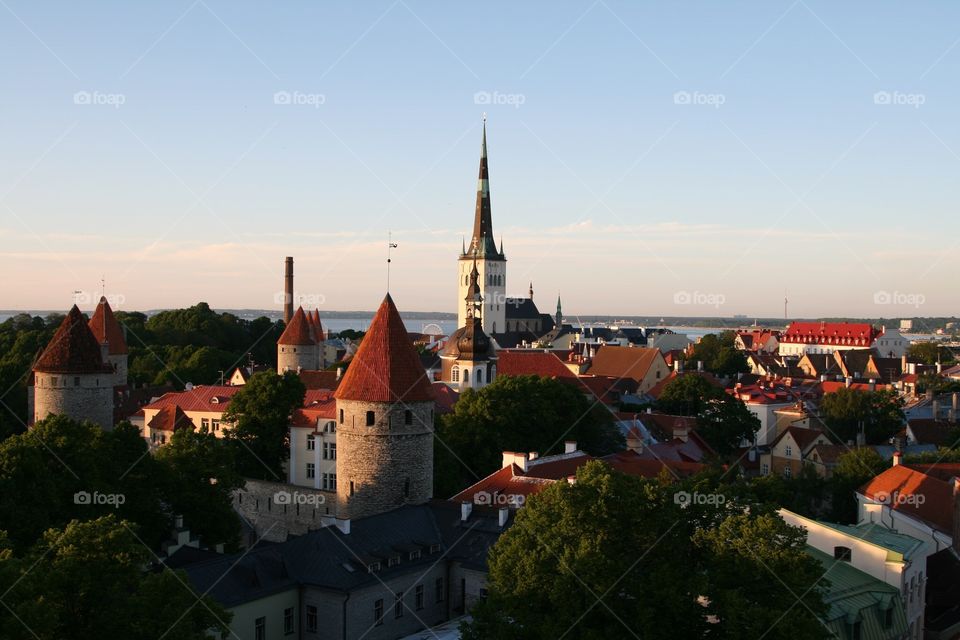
[(414, 555), (393, 561), (373, 567), (435, 548), (842, 553)]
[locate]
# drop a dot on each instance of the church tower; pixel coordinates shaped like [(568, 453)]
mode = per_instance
[(491, 264), (385, 417), (469, 359)]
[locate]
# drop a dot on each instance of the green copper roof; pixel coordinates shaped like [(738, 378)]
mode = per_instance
[(902, 545)]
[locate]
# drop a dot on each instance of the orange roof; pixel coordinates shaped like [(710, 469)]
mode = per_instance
[(170, 418), (633, 464), (531, 362), (213, 398), (319, 380), (445, 397), (73, 349), (106, 328), (623, 362), (801, 435), (934, 497), (836, 333), (386, 367), (298, 332), (317, 405)]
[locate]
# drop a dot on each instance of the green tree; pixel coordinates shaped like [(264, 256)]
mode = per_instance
[(929, 353), (87, 581), (259, 422), (719, 355), (854, 468), (725, 422), (516, 413), (687, 395), (879, 413)]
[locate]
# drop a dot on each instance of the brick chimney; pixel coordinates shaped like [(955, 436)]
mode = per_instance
[(288, 290)]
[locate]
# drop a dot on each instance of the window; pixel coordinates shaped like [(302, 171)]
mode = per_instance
[(483, 593), (466, 375), (311, 442), (371, 417), (888, 617), (408, 417), (205, 423), (329, 450), (311, 470), (216, 424), (393, 561), (842, 553), (406, 488), (351, 487), (764, 468), (341, 416), (311, 618), (787, 472), (438, 590), (288, 621), (415, 555), (398, 605), (328, 482), (788, 451), (76, 381), (435, 548), (373, 567), (455, 374), (378, 612), (330, 427), (419, 597), (260, 628)]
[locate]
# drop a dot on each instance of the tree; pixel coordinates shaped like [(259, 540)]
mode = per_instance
[(854, 468), (929, 353), (87, 581), (878, 413), (719, 355), (516, 413), (687, 395), (598, 559), (259, 423), (725, 422)]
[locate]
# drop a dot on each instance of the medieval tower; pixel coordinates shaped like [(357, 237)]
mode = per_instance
[(113, 344), (300, 347), (491, 262), (384, 423), (71, 376)]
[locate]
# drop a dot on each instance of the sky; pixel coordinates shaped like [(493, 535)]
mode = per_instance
[(694, 158)]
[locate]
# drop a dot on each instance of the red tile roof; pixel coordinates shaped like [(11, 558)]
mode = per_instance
[(386, 367), (73, 349), (106, 328), (319, 380), (623, 362), (633, 464), (170, 418), (317, 405), (299, 331), (445, 397), (531, 362), (832, 333), (933, 501), (213, 398), (802, 436)]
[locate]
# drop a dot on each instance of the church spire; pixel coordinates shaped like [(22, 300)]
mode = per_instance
[(482, 242), (559, 317)]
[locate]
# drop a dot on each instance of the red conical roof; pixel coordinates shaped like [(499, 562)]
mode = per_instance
[(386, 367), (73, 349), (298, 331), (318, 325), (106, 328)]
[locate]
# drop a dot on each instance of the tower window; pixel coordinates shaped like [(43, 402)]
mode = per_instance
[(455, 374), (406, 488), (371, 417), (408, 417), (351, 487), (341, 416), (479, 378)]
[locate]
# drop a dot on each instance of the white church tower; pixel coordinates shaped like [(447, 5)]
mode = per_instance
[(490, 261)]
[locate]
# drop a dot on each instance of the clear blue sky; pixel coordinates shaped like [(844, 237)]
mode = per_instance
[(603, 186)]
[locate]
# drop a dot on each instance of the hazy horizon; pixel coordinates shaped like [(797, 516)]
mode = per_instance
[(644, 160)]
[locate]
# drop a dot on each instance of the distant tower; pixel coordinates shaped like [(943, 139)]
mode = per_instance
[(491, 263), (297, 348), (319, 338), (113, 344), (558, 318), (71, 377), (469, 359), (288, 290), (385, 410), (531, 290)]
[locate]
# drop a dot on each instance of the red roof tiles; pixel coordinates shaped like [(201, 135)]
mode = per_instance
[(170, 418), (214, 398), (933, 497), (386, 367), (623, 362), (834, 333), (106, 328), (73, 349), (531, 362), (298, 332)]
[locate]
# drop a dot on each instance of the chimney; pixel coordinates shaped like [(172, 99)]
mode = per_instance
[(955, 398), (178, 522), (700, 366), (569, 446), (502, 515), (912, 366), (344, 525), (288, 290), (680, 430), (873, 384), (823, 377), (936, 409), (897, 458), (466, 508), (519, 459), (533, 455), (339, 372), (951, 415), (848, 382), (650, 409)]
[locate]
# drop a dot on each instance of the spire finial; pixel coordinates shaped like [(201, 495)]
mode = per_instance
[(390, 246)]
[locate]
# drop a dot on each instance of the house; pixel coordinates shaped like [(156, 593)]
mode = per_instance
[(764, 400), (242, 374), (646, 366), (789, 450), (825, 457), (313, 443), (827, 337), (896, 559), (939, 433), (757, 341), (164, 423), (204, 405)]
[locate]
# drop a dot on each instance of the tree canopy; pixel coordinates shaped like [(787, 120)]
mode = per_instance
[(719, 355), (723, 420), (879, 413)]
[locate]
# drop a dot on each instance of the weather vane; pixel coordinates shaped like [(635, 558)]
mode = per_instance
[(390, 246)]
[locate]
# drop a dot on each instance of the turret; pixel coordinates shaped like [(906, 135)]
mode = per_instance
[(297, 349)]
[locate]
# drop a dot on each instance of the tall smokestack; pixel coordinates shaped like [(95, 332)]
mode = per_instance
[(288, 290)]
